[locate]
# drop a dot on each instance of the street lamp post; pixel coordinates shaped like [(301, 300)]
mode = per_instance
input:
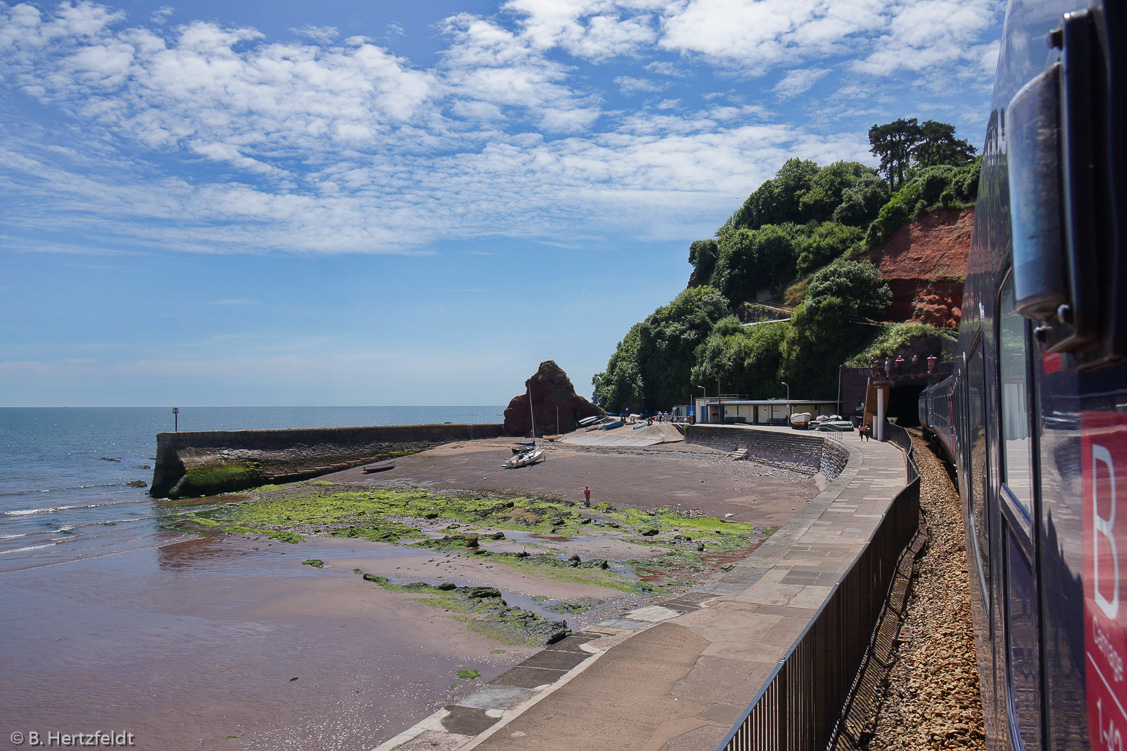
[(702, 395), (719, 402), (788, 398)]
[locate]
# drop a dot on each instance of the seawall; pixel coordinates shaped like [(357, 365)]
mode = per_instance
[(789, 449), (202, 463)]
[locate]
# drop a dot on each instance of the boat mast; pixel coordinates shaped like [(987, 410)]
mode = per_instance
[(531, 414)]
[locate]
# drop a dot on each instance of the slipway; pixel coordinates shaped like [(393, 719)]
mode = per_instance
[(660, 432)]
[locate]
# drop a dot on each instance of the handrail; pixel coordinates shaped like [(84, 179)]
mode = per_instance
[(799, 706)]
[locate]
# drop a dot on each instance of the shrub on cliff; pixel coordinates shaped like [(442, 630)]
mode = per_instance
[(650, 368), (897, 338), (755, 259), (930, 189), (744, 359), (829, 326), (826, 242)]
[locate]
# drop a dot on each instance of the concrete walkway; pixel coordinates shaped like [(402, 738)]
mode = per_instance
[(678, 676)]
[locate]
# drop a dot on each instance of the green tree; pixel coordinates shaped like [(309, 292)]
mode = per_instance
[(825, 243), (858, 284), (619, 387), (827, 328), (751, 260), (828, 187), (905, 145), (744, 359), (703, 255), (893, 143), (668, 339), (778, 200), (938, 146), (650, 368), (861, 203)]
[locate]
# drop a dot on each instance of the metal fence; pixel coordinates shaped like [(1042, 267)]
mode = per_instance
[(800, 705)]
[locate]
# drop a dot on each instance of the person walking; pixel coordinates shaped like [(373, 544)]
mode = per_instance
[(587, 497)]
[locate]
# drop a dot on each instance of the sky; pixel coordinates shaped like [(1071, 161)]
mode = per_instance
[(405, 202)]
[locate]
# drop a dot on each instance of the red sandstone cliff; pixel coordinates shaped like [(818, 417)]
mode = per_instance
[(925, 265)]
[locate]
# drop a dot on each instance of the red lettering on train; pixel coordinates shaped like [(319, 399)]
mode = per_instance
[(1103, 456)]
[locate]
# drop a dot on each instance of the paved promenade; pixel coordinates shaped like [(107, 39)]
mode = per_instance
[(678, 676)]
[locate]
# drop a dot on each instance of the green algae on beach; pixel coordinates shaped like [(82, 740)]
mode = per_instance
[(311, 506), (482, 610), (412, 517)]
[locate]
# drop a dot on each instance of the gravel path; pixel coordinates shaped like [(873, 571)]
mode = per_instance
[(933, 699)]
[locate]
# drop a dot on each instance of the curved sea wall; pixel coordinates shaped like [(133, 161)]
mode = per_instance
[(801, 452), (202, 463)]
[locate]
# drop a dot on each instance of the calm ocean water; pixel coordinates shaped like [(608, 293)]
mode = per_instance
[(65, 472)]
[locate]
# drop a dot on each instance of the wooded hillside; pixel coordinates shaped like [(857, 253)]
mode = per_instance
[(813, 270)]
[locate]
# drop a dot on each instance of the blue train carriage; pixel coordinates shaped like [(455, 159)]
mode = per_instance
[(1040, 389)]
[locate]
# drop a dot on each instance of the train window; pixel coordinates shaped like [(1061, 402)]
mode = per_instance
[(1016, 457), (976, 434), (1023, 661)]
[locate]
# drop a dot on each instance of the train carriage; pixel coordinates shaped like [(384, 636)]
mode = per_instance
[(1039, 394)]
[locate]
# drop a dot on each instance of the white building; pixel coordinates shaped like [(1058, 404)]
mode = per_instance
[(712, 409)]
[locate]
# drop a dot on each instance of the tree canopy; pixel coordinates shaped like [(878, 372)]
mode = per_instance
[(904, 145), (650, 369), (742, 359), (795, 232), (829, 325)]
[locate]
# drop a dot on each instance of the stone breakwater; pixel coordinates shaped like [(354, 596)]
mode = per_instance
[(191, 464), (808, 453)]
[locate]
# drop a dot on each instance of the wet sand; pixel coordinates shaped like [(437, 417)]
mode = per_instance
[(197, 644), (676, 475)]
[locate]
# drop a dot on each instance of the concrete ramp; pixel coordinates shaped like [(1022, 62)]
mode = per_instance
[(651, 435)]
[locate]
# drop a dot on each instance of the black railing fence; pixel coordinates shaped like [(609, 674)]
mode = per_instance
[(803, 703)]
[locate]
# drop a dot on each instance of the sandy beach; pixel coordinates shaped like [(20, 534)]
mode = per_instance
[(229, 641)]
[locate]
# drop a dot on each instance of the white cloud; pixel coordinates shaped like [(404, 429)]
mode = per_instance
[(798, 81), (206, 138), (632, 85), (212, 90), (592, 29), (319, 34), (930, 36), (487, 63)]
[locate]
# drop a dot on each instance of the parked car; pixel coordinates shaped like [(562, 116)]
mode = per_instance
[(842, 426)]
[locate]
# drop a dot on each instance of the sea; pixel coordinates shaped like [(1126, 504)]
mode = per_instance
[(74, 481)]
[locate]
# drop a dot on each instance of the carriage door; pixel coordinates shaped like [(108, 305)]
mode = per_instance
[(1017, 510)]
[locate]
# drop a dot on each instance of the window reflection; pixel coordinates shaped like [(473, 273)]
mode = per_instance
[(1016, 460)]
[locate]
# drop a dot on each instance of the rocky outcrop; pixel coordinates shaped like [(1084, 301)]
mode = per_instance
[(557, 408), (925, 265)]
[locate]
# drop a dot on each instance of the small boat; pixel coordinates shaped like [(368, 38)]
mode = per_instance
[(525, 459), (800, 420), (379, 466), (612, 425), (589, 420), (521, 446)]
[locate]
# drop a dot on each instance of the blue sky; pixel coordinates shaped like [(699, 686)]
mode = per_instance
[(398, 203)]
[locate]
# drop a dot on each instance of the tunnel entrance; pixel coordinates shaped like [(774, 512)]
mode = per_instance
[(903, 404)]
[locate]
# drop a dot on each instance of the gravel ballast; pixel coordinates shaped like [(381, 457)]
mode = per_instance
[(933, 698)]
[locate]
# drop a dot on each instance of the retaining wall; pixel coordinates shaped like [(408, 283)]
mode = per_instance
[(801, 452), (209, 462)]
